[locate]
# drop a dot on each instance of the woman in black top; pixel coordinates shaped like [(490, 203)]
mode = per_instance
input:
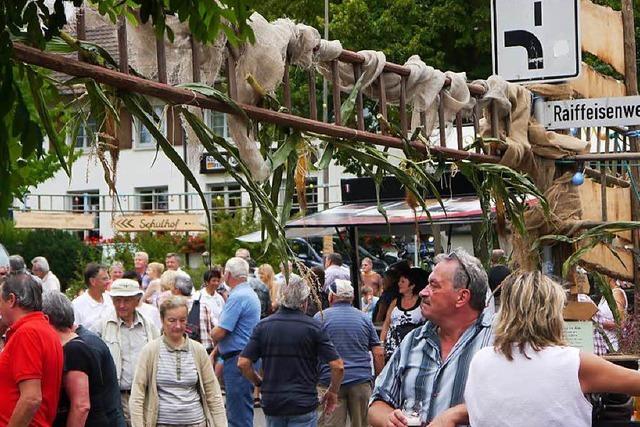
[(80, 402), (404, 314)]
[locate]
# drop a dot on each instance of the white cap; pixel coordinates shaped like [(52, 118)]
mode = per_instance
[(342, 288)]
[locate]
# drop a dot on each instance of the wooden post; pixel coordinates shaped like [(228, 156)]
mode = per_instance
[(357, 72), (335, 84), (313, 106), (631, 85), (382, 105), (404, 126), (441, 124), (287, 87), (125, 127), (81, 33)]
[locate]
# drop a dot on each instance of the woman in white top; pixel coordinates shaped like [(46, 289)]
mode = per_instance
[(530, 377)]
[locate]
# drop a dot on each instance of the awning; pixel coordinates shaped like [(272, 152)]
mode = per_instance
[(458, 210), (291, 233)]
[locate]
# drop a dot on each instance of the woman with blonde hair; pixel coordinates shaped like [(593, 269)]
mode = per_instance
[(530, 376), (164, 288), (154, 271), (267, 276), (174, 383)]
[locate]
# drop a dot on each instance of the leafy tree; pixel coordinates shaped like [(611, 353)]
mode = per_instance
[(447, 34), (28, 110), (66, 253)]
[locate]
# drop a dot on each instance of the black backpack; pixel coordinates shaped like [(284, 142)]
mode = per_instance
[(193, 321)]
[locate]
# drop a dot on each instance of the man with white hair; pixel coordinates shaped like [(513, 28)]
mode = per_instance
[(290, 344), (126, 331), (140, 263), (356, 340), (40, 268), (239, 317)]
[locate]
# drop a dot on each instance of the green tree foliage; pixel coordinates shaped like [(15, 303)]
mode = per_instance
[(66, 253), (447, 34), (28, 110)]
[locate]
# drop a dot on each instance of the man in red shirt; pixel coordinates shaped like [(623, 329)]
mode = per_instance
[(31, 361)]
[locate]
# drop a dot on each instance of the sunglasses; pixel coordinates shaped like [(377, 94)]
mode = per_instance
[(453, 255)]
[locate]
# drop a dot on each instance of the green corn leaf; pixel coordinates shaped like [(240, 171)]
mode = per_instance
[(347, 107), (35, 86), (327, 155), (136, 109), (607, 294), (214, 93)]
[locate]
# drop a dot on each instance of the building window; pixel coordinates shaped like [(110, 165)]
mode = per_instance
[(311, 196), (143, 137), (87, 202), (87, 134), (217, 122), (153, 199), (226, 197)]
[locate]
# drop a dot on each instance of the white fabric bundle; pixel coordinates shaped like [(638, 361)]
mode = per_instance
[(265, 61)]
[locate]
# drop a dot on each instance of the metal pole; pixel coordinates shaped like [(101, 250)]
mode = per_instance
[(325, 109), (355, 265)]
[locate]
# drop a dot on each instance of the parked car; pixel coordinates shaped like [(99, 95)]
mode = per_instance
[(309, 251)]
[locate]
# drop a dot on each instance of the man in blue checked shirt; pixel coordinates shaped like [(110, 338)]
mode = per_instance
[(428, 372)]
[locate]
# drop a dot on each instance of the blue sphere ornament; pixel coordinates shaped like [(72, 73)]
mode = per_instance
[(578, 178)]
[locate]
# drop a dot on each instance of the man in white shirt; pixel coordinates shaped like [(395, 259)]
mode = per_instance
[(92, 305), (125, 331), (40, 268), (209, 295), (172, 261), (140, 264)]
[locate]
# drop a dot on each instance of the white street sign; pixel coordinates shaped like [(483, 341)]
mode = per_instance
[(622, 111), (535, 40)]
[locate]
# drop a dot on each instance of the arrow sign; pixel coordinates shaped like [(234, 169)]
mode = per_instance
[(158, 222), (535, 40)]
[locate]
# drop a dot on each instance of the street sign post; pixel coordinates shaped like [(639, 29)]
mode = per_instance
[(535, 41), (54, 220), (621, 111)]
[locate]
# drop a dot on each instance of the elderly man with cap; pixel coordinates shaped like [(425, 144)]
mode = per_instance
[(356, 340), (125, 331), (290, 343)]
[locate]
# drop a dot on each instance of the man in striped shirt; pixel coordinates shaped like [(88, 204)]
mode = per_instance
[(427, 374)]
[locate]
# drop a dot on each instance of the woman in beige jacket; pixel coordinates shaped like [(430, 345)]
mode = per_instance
[(174, 383)]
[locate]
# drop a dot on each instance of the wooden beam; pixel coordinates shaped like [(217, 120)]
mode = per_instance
[(631, 85), (609, 179), (174, 95)]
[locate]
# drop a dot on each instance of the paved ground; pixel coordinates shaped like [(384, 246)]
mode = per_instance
[(258, 418)]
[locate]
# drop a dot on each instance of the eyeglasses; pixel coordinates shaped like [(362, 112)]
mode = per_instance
[(455, 256)]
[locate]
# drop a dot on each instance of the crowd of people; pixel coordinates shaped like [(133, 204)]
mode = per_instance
[(145, 348)]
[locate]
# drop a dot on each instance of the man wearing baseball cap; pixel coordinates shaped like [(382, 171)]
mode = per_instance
[(125, 331), (356, 340)]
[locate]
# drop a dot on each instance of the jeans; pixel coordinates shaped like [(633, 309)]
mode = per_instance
[(310, 419), (239, 395)]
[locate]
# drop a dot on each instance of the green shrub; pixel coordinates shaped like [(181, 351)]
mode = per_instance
[(66, 253)]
